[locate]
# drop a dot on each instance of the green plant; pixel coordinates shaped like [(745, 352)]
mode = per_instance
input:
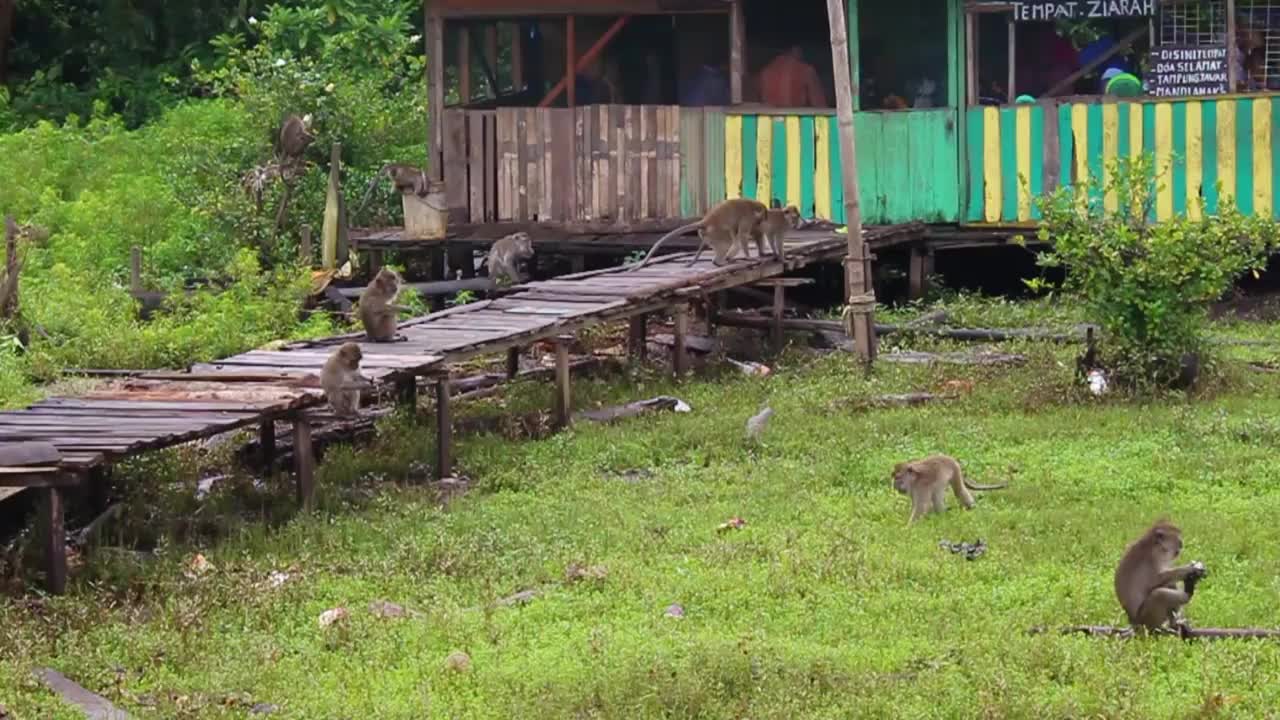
[(462, 297), (1148, 284)]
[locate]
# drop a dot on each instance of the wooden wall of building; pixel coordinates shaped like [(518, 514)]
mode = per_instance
[(1197, 144)]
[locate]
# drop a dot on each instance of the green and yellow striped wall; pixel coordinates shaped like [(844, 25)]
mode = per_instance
[(907, 164), (1015, 154)]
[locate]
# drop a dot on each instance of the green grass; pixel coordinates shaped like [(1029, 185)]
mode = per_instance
[(824, 605)]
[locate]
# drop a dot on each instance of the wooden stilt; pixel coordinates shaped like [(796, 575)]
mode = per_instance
[(578, 263), (437, 259), (637, 339), (444, 428), (513, 362), (779, 304), (461, 258), (375, 261), (55, 542), (563, 399), (679, 354), (267, 444), (304, 462), (918, 276), (407, 393)]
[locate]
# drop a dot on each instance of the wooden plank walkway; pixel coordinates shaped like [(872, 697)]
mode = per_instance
[(162, 409)]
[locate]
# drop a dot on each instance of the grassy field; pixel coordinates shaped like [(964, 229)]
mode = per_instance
[(824, 604)]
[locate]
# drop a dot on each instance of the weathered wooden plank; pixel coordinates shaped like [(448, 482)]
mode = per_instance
[(550, 193), (713, 170), (455, 161), (650, 137), (521, 172), (505, 128), (582, 209), (475, 165), (620, 161), (491, 166), (560, 161)]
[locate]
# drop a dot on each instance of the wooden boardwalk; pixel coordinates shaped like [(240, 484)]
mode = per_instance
[(257, 388)]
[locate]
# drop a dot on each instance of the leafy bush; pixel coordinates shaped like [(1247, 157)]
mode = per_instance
[(1148, 284)]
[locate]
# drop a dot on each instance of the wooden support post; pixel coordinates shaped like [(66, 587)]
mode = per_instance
[(564, 403), (921, 269), (779, 304), (375, 261), (858, 288), (435, 273), (55, 542), (679, 353), (570, 74), (513, 362), (491, 55), (970, 58), (135, 269), (407, 393), (1013, 53), (1233, 75), (444, 428), (517, 56), (304, 247), (587, 57), (715, 307), (461, 259), (267, 445), (578, 264), (737, 53), (464, 65), (434, 34), (304, 462), (638, 338)]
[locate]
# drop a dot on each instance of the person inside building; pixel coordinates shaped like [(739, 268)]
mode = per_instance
[(789, 81), (708, 85)]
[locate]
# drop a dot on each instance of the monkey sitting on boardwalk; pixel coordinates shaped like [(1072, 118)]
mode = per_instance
[(342, 381), (377, 310)]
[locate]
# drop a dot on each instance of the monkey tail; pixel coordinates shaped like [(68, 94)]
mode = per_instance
[(369, 190), (973, 486), (678, 231)]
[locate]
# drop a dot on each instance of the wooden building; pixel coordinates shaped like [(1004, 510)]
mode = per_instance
[(940, 138)]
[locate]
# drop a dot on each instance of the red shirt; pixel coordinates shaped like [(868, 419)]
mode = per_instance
[(788, 82)]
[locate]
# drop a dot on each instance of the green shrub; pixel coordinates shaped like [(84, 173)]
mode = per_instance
[(1148, 284)]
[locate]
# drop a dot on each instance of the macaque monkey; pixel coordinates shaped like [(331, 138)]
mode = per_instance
[(926, 480), (506, 255), (405, 178), (295, 137), (726, 227), (342, 381), (378, 313), (1146, 581), (773, 229)]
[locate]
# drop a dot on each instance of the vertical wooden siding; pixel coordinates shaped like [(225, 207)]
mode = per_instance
[(1016, 154), (907, 164)]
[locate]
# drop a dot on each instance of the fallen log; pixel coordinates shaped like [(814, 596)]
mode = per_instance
[(979, 358), (619, 412), (94, 706)]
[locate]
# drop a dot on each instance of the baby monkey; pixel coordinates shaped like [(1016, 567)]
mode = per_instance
[(726, 228), (377, 310), (342, 381), (926, 480), (1146, 581), (774, 227), (505, 256)]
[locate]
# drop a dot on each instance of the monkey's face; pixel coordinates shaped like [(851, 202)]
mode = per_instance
[(903, 477), (792, 214), (1168, 542), (351, 355), (388, 279)]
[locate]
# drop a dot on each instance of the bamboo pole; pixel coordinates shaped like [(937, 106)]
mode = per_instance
[(859, 292)]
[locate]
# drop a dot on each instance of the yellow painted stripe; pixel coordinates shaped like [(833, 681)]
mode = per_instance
[(1164, 158), (1135, 130), (1110, 150), (1262, 157), (1022, 121), (1195, 158), (1080, 141), (793, 160), (992, 197), (764, 159), (822, 169), (733, 156), (1227, 150)]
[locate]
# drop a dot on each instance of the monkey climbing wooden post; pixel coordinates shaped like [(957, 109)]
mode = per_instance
[(444, 427), (564, 402), (304, 462), (858, 288), (680, 333), (638, 337)]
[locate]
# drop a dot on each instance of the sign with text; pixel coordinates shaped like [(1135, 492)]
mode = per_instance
[(1184, 71), (1048, 10)]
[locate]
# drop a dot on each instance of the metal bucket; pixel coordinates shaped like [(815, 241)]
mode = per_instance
[(426, 218)]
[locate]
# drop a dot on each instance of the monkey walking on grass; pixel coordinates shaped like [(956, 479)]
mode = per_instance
[(926, 481)]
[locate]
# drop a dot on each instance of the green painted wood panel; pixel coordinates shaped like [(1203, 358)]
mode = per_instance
[(713, 147), (1037, 160), (1244, 156), (895, 176), (778, 189), (1179, 164), (1209, 148), (1275, 156), (749, 156), (1008, 163), (869, 141), (973, 130), (837, 187), (692, 162), (1093, 134), (807, 163)]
